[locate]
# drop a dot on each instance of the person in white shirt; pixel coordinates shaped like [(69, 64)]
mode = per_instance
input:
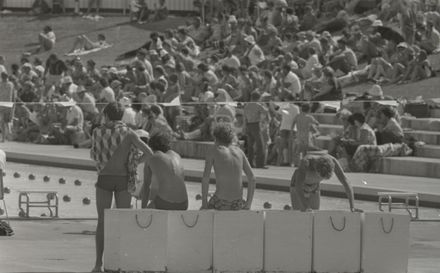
[(107, 94), (291, 84), (312, 61), (47, 39), (129, 116), (69, 88), (254, 52), (288, 113)]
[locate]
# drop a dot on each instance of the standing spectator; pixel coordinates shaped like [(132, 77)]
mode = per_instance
[(254, 113), (55, 68), (288, 111), (2, 65), (96, 3), (113, 145), (6, 95), (306, 126)]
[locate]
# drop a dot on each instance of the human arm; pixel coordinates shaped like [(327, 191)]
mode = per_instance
[(154, 190), (205, 180), (142, 146), (145, 192), (251, 182), (339, 172)]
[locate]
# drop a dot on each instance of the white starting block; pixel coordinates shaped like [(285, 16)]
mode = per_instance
[(385, 243), (255, 241), (386, 199)]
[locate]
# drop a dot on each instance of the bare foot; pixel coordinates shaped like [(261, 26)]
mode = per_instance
[(97, 269)]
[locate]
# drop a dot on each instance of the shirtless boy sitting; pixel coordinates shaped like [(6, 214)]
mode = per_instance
[(164, 172), (305, 191), (229, 161)]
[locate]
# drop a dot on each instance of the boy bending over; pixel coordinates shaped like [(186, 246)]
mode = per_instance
[(305, 191)]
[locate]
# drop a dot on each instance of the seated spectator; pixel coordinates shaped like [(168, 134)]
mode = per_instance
[(431, 43), (389, 130), (344, 59), (364, 135), (330, 88), (46, 39), (418, 69)]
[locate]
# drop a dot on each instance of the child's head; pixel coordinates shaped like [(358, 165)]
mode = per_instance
[(323, 166), (305, 108), (224, 134), (160, 142), (173, 79), (101, 37)]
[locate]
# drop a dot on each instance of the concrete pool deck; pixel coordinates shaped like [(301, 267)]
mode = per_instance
[(366, 185)]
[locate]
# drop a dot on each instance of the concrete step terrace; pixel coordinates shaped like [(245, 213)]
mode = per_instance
[(411, 166)]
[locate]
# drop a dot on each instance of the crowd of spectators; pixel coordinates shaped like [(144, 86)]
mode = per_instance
[(264, 68)]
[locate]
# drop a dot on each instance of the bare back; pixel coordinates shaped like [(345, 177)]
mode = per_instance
[(168, 174), (228, 166)]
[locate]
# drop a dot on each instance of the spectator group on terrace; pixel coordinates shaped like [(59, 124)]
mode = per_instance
[(254, 64)]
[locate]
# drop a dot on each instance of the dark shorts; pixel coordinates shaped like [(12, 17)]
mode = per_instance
[(161, 204), (112, 183)]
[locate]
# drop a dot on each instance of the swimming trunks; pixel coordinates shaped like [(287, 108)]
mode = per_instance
[(112, 183), (219, 204), (161, 204)]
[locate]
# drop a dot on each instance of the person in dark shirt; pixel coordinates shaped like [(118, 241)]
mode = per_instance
[(27, 94), (54, 70)]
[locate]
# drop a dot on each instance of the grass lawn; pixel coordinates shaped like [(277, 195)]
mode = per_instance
[(18, 34)]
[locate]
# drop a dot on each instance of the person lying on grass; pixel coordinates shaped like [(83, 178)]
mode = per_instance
[(83, 43)]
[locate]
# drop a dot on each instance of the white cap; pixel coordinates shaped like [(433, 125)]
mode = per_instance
[(142, 134), (376, 91), (66, 79)]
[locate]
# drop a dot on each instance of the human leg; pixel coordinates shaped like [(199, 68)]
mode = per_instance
[(103, 201), (45, 43), (78, 43), (259, 147)]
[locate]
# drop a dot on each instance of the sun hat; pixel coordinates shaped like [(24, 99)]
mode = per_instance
[(250, 39)]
